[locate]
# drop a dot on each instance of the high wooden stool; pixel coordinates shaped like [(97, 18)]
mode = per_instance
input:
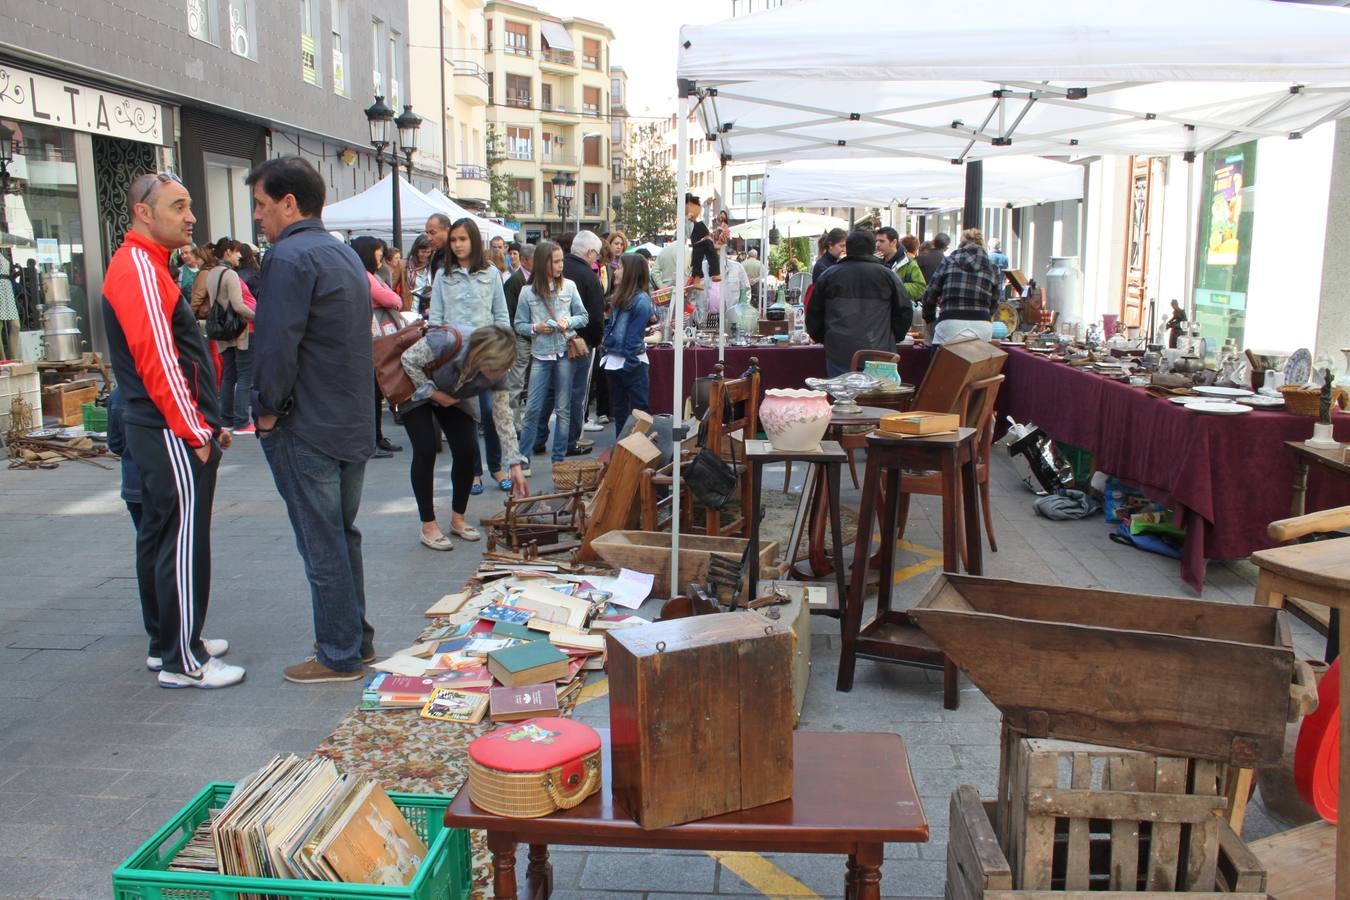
[(891, 636)]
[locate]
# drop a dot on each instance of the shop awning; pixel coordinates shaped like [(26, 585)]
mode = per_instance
[(556, 35), (1155, 76), (1014, 180)]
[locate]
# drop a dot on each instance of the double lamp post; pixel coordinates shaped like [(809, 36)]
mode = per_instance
[(563, 188), (380, 117)]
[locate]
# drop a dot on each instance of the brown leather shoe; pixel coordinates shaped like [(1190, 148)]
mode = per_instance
[(311, 671), (368, 657)]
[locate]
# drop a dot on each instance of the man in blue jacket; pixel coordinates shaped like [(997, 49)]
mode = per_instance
[(314, 407)]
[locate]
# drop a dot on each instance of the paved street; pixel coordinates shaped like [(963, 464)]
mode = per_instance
[(94, 756)]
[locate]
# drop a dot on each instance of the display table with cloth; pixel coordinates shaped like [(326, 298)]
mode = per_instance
[(783, 366), (852, 794), (1227, 476)]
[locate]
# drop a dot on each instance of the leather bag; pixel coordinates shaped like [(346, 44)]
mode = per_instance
[(711, 478), (576, 344), (388, 351), (223, 322)]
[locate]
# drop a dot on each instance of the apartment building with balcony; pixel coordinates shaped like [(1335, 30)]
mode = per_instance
[(618, 138), (450, 88), (550, 104)]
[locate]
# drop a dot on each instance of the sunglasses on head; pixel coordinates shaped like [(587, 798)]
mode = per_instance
[(160, 178)]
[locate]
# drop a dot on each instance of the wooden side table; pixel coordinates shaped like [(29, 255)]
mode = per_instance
[(852, 794), (829, 457), (892, 636)]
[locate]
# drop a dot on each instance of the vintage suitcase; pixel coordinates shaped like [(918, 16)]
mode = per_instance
[(530, 769), (701, 716), (953, 366)]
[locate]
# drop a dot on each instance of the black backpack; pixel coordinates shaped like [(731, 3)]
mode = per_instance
[(223, 322)]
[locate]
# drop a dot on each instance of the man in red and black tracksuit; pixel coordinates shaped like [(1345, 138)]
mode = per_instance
[(172, 431)]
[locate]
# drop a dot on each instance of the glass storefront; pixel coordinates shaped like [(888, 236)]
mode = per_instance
[(1223, 263), (40, 227)]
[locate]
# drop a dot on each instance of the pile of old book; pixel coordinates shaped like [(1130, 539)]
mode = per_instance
[(302, 818), (517, 647)]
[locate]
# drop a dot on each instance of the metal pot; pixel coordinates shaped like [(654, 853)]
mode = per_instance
[(58, 317), (62, 344)]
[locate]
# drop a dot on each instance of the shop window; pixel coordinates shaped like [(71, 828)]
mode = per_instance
[(243, 28)]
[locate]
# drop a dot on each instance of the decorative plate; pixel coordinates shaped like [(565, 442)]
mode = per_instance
[(1183, 399), (1007, 314), (1218, 407), (1299, 368), (1262, 401), (1220, 391)]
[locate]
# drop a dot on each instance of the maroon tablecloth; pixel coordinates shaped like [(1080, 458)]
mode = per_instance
[(780, 367), (1228, 476)]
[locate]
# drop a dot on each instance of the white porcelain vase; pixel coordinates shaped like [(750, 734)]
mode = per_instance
[(795, 418)]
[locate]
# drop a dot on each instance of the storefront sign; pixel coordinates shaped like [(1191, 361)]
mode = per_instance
[(30, 97)]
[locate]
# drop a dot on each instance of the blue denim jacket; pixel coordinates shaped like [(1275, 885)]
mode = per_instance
[(312, 359), (530, 309), (625, 329), (473, 299)]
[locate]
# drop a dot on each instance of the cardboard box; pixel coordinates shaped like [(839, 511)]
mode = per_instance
[(920, 423)]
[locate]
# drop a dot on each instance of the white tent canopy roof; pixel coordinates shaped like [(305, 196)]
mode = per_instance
[(486, 227), (791, 224), (1154, 76), (372, 209), (861, 181)]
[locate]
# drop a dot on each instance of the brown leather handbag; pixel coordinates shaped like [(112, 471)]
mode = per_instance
[(388, 350)]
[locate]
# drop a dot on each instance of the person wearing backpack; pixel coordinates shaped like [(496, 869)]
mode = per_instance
[(228, 293)]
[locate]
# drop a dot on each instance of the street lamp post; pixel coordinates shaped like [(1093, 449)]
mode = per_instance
[(563, 186), (383, 129)]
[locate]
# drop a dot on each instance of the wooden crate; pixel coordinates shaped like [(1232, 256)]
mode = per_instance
[(65, 402), (978, 868), (649, 551), (700, 714), (1162, 674)]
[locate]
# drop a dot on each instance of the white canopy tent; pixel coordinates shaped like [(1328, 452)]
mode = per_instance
[(791, 224), (1015, 180), (371, 211), (1151, 77), (487, 227)]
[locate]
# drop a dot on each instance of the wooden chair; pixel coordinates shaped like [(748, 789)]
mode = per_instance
[(731, 418), (977, 411)]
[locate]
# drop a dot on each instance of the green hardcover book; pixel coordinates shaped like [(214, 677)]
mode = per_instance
[(534, 662), (519, 632)]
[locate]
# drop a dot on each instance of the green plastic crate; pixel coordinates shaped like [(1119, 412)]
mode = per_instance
[(95, 417), (444, 875)]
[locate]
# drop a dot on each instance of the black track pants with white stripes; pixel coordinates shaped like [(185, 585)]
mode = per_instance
[(173, 544)]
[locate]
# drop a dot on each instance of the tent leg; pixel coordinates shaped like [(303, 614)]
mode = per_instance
[(974, 194), (677, 332)]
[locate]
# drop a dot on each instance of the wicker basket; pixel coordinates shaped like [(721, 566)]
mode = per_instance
[(577, 473), (530, 769), (1307, 401)]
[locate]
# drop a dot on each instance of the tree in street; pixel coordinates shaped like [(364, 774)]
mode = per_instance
[(501, 193), (649, 203)]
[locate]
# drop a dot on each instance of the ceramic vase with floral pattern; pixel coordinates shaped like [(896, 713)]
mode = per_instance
[(795, 418)]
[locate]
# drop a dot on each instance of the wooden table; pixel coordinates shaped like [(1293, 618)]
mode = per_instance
[(827, 459), (891, 636), (852, 794), (1332, 462)]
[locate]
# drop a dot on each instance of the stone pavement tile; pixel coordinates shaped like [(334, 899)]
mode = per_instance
[(10, 655), (14, 807), (914, 878), (975, 756), (61, 809), (604, 870), (136, 733), (27, 879), (567, 865), (16, 838), (923, 757), (936, 848), (819, 873), (101, 846), (144, 785), (52, 781), (903, 850)]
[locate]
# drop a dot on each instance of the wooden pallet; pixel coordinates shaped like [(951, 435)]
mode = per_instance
[(1301, 862), (1078, 817), (978, 868)]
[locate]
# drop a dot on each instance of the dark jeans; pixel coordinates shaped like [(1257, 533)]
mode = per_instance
[(599, 388), (544, 373), (581, 370), (322, 496), (491, 443), (461, 433), (627, 392), (236, 387)]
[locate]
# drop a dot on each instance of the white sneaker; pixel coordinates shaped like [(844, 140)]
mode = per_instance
[(215, 674), (216, 647), (592, 425)]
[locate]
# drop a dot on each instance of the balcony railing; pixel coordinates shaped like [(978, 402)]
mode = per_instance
[(522, 205), (559, 57), (592, 209), (590, 109), (520, 100), (473, 173), (520, 153), (517, 49), (471, 69), (558, 158)]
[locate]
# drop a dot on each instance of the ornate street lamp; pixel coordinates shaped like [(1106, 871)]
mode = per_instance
[(384, 128), (409, 124), (563, 185), (379, 117)]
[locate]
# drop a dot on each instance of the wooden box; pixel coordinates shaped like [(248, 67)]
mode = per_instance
[(953, 366), (1162, 674), (920, 423), (796, 615), (700, 714), (65, 402), (649, 551)]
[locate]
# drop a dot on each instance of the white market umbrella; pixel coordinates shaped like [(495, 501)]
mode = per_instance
[(791, 224), (371, 211)]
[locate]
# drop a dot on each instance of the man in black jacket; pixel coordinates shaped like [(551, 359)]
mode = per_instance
[(516, 380), (577, 268), (858, 304)]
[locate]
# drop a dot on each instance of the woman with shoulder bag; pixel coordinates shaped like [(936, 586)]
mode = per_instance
[(224, 286), (468, 292), (472, 363), (384, 319), (549, 312), (625, 350)]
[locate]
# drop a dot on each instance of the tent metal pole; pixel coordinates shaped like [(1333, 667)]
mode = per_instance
[(677, 334), (1189, 280), (970, 217), (763, 256)]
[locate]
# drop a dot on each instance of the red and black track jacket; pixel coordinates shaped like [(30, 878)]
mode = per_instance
[(158, 353)]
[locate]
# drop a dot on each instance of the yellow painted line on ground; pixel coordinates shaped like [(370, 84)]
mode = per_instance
[(918, 568), (594, 691), (761, 874)]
